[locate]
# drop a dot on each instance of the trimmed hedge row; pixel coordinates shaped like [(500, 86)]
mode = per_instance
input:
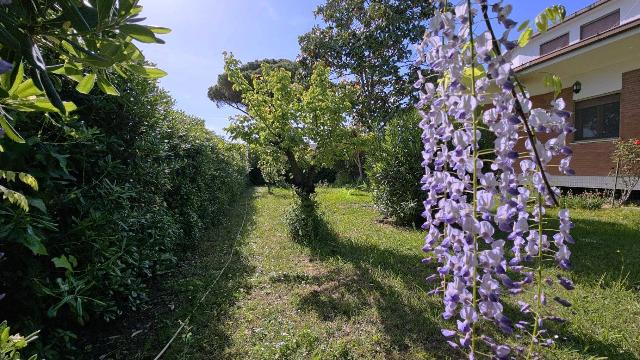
[(124, 186)]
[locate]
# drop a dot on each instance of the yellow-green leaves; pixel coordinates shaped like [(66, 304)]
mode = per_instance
[(29, 180), (86, 84), (10, 131), (107, 87), (547, 18), (469, 73), (553, 82), (24, 177), (525, 36), (154, 73)]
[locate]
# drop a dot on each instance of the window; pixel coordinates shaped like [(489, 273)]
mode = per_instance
[(600, 25), (598, 118), (554, 44)]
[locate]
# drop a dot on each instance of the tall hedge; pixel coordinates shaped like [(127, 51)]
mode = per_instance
[(124, 186), (395, 169)]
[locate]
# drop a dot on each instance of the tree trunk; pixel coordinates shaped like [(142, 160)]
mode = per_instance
[(359, 165), (302, 180)]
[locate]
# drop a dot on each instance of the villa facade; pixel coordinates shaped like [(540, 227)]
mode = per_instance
[(596, 53)]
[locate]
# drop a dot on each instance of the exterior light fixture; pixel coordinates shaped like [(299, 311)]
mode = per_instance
[(577, 86)]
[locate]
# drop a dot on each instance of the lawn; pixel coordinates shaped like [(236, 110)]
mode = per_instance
[(359, 293)]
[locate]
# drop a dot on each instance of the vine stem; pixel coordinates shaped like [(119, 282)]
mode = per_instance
[(518, 106), (475, 174), (534, 334)]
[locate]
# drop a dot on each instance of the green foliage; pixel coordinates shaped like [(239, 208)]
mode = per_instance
[(128, 185), (86, 42), (546, 19), (303, 221), (395, 170), (370, 43), (305, 125), (223, 94), (10, 345), (588, 200)]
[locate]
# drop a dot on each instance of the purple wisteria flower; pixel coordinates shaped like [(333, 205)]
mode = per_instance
[(472, 193), (5, 66)]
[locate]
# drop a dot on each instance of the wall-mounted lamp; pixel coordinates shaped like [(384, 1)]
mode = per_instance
[(577, 86)]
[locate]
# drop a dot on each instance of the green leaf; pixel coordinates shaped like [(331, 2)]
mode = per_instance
[(17, 80), (43, 104), (139, 32), (523, 25), (467, 73), (525, 36), (107, 87), (33, 242), (10, 131), (159, 29), (125, 6), (26, 89), (4, 337), (86, 84), (38, 204), (62, 262), (154, 73)]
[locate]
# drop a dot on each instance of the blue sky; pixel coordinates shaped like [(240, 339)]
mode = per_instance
[(251, 29)]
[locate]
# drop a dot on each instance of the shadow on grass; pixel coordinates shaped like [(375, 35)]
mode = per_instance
[(596, 258), (178, 292), (605, 252), (347, 293)]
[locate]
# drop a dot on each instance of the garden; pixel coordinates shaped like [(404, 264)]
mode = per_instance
[(388, 194)]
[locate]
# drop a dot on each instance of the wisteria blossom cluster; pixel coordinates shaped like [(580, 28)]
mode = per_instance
[(475, 194)]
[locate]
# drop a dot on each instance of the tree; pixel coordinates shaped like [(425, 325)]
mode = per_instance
[(306, 126), (370, 43), (223, 94)]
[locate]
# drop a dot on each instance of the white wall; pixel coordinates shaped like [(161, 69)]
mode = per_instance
[(629, 11)]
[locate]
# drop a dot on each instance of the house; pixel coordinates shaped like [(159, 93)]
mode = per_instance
[(596, 53)]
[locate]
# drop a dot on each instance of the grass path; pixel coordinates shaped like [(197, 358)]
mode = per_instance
[(359, 294)]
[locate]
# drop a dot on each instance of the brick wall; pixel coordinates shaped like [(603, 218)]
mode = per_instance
[(594, 158), (630, 105)]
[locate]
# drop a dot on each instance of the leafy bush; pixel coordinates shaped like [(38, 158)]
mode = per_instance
[(395, 170), (303, 221), (124, 186), (588, 200), (627, 158)]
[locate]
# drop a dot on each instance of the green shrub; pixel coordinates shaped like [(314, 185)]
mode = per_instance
[(126, 185), (395, 170), (588, 200), (303, 221)]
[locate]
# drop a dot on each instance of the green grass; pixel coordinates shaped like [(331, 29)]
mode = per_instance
[(359, 292)]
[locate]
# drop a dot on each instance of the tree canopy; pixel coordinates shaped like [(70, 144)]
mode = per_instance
[(223, 94), (304, 124), (370, 42)]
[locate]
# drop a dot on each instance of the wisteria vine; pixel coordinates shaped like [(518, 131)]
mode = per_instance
[(485, 208)]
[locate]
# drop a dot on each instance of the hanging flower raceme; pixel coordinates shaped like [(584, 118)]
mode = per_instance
[(474, 194)]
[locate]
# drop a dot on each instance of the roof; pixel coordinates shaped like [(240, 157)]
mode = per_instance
[(581, 44), (576, 14)]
